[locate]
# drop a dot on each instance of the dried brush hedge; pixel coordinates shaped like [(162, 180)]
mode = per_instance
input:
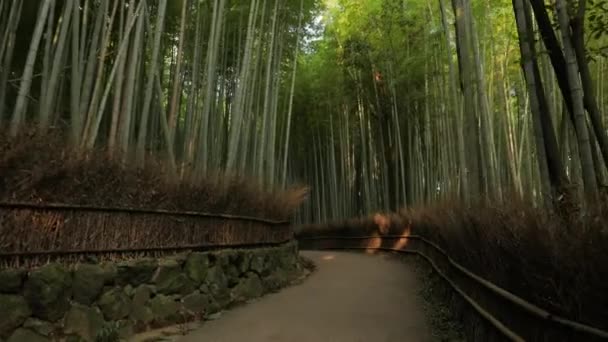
[(527, 251), (40, 168), (559, 266)]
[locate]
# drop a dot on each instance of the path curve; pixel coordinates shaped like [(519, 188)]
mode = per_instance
[(350, 297)]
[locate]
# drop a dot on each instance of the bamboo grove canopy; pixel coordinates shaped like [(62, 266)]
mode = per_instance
[(375, 104)]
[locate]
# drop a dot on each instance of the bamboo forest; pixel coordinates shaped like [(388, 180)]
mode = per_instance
[(375, 104), (472, 133)]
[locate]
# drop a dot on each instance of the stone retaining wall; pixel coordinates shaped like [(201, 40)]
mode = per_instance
[(92, 301)]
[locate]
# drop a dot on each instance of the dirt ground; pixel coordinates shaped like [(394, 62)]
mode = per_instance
[(350, 297)]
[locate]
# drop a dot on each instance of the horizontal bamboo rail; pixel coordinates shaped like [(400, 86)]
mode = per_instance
[(65, 207)]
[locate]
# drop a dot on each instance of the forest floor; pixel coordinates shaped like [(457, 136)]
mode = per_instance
[(350, 297)]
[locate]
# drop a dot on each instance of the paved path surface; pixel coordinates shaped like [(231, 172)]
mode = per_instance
[(350, 298)]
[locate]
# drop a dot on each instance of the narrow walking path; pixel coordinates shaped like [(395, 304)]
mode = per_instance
[(351, 297)]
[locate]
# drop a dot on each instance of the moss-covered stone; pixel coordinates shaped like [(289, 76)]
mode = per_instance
[(276, 280), (196, 267), (288, 256), (233, 275), (231, 269), (129, 290), (164, 308), (204, 288), (248, 288), (142, 294), (270, 261), (227, 262), (216, 276), (257, 263), (40, 327), (222, 258), (115, 304), (137, 292), (142, 314), (213, 307), (166, 268), (136, 272), (11, 280), (179, 285), (88, 282), (47, 290), (244, 261), (170, 279), (217, 285), (14, 310), (26, 335), (83, 321), (196, 302)]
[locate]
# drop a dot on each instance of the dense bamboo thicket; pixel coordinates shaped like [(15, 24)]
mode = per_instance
[(204, 84), (410, 102), (376, 104)]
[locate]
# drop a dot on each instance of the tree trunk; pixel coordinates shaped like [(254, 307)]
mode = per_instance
[(177, 80), (57, 67), (28, 71), (578, 40), (526, 42), (470, 118), (153, 70), (576, 91), (6, 57)]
